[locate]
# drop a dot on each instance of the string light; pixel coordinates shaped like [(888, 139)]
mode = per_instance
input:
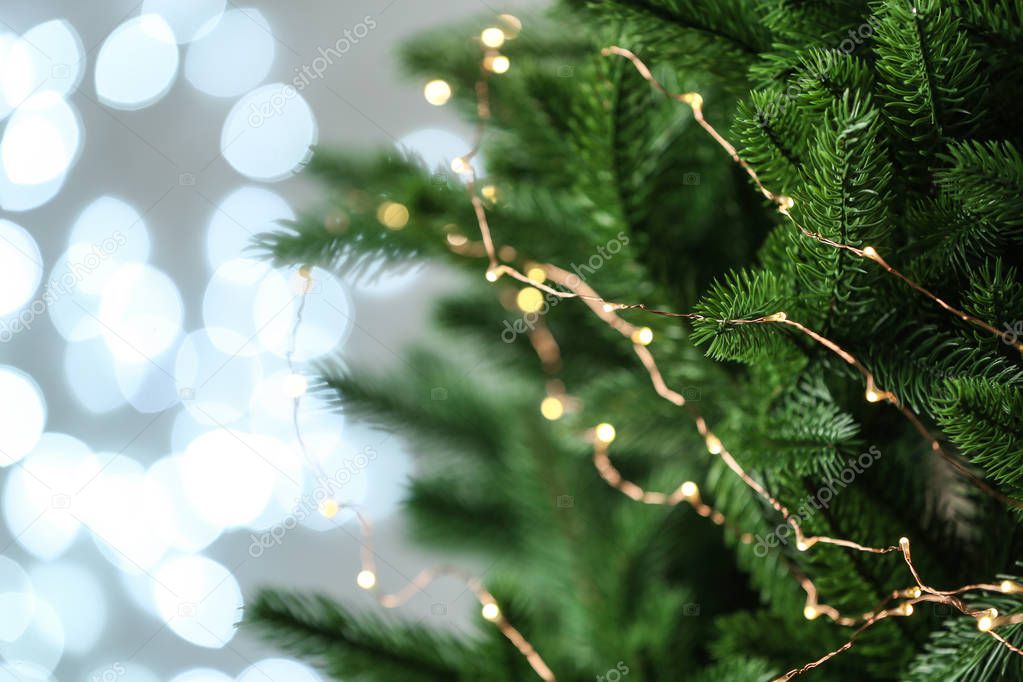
[(459, 165), (492, 37), (643, 336), (329, 508), (536, 274), (529, 300), (489, 193), (490, 611), (367, 580), (605, 433), (392, 215), (491, 275), (437, 92), (497, 63), (785, 203), (512, 25), (552, 408)]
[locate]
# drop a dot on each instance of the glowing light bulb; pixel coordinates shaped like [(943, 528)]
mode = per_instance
[(529, 300), (492, 37), (512, 25), (459, 165), (605, 432), (906, 609), (985, 623), (608, 307), (869, 252), (490, 611), (491, 275), (329, 508), (872, 396), (295, 385), (393, 215), (552, 408), (904, 542), (1008, 586), (777, 317), (802, 546), (915, 592), (489, 192), (785, 203), (437, 92), (689, 490), (714, 445), (367, 580), (810, 612), (537, 274), (497, 64), (643, 336)]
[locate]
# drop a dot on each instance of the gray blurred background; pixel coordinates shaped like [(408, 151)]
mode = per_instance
[(162, 159)]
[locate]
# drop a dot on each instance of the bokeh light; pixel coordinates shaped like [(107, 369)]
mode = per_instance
[(268, 133), (108, 233), (140, 312), (48, 57), (202, 675), (89, 371), (78, 599), (41, 645), (40, 503), (198, 599), (21, 268), (42, 140), (183, 527), (17, 600), (436, 148), (230, 302), (238, 218), (137, 63), (188, 19), (234, 57), (22, 414), (214, 386)]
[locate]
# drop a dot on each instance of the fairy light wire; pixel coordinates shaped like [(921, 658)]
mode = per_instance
[(605, 310)]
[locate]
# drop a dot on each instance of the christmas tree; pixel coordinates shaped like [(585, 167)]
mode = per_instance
[(732, 387)]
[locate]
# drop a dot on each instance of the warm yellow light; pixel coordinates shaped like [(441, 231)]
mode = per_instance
[(605, 432), (802, 546), (810, 612), (777, 317), (907, 609), (295, 385), (552, 408), (869, 252), (536, 274), (872, 396), (437, 92), (497, 63), (529, 300), (490, 611), (512, 25), (457, 239), (643, 336), (492, 37), (915, 592), (714, 446), (689, 490), (904, 542), (329, 508), (985, 623), (785, 203), (1008, 586), (489, 192), (367, 580), (608, 307), (392, 215), (491, 275), (459, 164)]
